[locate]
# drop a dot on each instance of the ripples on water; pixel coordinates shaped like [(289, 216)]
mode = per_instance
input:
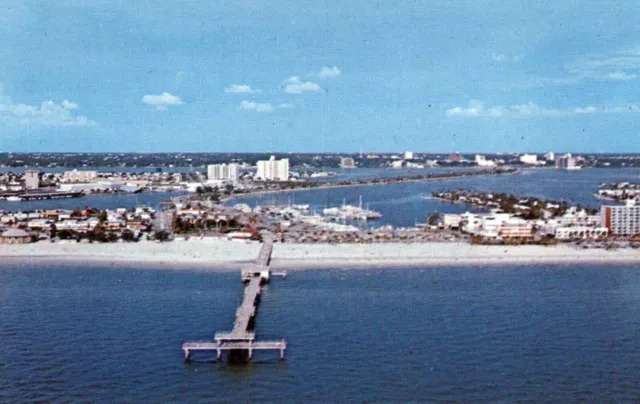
[(555, 334)]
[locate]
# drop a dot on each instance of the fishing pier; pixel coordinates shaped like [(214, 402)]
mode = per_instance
[(240, 342)]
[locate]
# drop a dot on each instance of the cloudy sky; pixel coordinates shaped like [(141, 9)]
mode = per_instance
[(249, 75)]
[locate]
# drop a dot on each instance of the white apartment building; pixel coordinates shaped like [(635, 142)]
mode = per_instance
[(31, 179), (408, 155), (529, 159), (273, 170), (483, 162), (79, 176), (223, 172), (621, 220), (582, 232), (566, 162), (496, 225)]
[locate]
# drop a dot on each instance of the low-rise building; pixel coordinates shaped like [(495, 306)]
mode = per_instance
[(15, 236), (497, 225), (581, 232), (76, 176), (347, 162), (531, 159), (483, 162), (451, 221)]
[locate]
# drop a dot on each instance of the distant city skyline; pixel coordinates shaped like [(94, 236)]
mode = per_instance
[(247, 76)]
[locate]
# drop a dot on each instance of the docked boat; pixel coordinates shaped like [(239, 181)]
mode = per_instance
[(350, 212), (14, 199)]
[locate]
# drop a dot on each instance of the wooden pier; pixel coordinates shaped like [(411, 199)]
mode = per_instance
[(240, 342)]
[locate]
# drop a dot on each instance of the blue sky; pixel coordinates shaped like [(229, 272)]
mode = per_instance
[(304, 76)]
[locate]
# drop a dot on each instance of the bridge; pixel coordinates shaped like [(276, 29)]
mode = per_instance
[(241, 340)]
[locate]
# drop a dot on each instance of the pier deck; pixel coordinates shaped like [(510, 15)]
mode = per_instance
[(242, 338)]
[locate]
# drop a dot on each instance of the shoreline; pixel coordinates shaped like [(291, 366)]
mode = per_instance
[(368, 184), (224, 256)]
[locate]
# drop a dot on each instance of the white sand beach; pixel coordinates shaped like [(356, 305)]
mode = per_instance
[(220, 255)]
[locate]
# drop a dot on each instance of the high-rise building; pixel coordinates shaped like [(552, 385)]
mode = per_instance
[(347, 162), (79, 176), (551, 156), (273, 170), (408, 155), (566, 162), (31, 179), (223, 172), (621, 220), (529, 159)]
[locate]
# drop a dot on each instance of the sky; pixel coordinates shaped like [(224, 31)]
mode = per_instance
[(319, 76)]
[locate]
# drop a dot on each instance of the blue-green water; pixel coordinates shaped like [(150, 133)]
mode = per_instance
[(540, 334)]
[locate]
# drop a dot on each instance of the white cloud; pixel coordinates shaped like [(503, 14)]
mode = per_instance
[(240, 89), (329, 72), (48, 113), (501, 57), (497, 112), (162, 101), (619, 65), (586, 110), (295, 86), (620, 76), (263, 107), (66, 104), (532, 109), (255, 106), (476, 109)]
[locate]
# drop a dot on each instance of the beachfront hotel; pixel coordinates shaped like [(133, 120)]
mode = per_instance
[(273, 170), (622, 220), (223, 172)]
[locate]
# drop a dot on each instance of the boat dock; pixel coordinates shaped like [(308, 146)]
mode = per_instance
[(240, 342)]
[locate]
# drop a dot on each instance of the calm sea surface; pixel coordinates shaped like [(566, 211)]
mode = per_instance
[(501, 334), (538, 334)]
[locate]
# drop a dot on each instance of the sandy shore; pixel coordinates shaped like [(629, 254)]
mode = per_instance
[(221, 255)]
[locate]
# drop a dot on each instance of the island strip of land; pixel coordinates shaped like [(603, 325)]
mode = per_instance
[(220, 255)]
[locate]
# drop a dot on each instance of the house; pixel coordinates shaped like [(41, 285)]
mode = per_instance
[(135, 224), (15, 236)]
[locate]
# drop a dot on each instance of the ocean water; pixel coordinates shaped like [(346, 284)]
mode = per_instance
[(500, 334)]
